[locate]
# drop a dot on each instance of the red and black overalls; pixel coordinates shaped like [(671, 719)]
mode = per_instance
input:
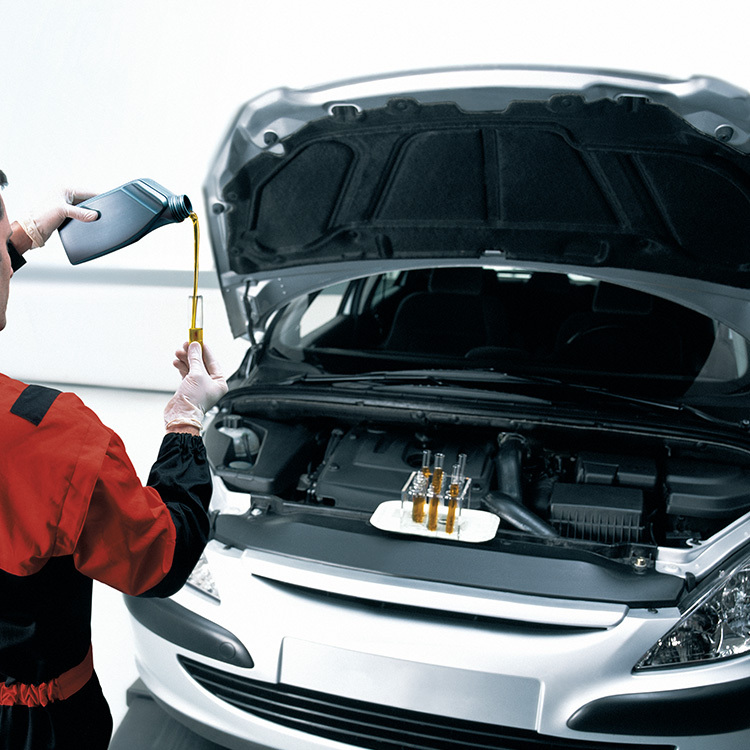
[(71, 510)]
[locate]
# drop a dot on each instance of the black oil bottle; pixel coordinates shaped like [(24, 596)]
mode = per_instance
[(126, 214)]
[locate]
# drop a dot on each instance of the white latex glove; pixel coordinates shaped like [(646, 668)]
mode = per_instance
[(40, 224), (202, 386)]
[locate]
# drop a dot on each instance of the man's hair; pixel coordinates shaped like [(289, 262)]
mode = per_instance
[(3, 183)]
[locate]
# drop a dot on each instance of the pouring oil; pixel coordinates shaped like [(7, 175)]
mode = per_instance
[(126, 214), (196, 315)]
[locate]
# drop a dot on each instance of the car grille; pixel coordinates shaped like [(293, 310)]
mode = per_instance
[(370, 725)]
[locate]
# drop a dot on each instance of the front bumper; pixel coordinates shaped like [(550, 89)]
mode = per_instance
[(333, 671)]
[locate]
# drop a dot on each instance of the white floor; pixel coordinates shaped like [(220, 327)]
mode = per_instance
[(137, 417)]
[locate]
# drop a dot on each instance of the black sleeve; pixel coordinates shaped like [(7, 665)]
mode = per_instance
[(16, 259), (182, 479)]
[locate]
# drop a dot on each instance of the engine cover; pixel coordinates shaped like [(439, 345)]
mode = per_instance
[(370, 466)]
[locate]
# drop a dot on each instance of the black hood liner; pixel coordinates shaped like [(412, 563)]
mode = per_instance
[(624, 184)]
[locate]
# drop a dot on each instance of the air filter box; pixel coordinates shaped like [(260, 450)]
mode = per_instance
[(599, 513)]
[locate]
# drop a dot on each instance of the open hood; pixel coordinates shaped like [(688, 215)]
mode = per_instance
[(567, 168)]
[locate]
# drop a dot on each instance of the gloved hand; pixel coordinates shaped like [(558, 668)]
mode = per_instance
[(202, 386), (40, 225)]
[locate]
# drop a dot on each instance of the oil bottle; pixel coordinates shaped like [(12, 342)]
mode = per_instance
[(126, 214)]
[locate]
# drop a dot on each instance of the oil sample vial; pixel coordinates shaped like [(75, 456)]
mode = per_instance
[(426, 456), (418, 498), (454, 494), (195, 333), (420, 489), (434, 495)]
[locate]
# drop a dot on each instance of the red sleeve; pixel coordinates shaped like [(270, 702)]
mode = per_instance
[(128, 537)]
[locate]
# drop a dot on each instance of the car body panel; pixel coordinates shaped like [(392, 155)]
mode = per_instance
[(579, 240), (316, 643)]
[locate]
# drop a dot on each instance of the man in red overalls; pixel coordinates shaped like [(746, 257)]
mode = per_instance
[(71, 510)]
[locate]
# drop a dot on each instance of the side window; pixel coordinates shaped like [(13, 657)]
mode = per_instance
[(728, 358), (386, 286), (389, 284), (324, 308)]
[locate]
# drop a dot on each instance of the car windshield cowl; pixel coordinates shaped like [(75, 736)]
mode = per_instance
[(429, 377), (490, 380)]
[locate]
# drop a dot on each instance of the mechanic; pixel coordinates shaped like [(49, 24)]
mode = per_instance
[(72, 509)]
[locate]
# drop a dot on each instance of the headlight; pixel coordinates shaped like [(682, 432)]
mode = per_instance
[(202, 579), (716, 627)]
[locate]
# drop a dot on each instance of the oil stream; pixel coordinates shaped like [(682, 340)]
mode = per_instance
[(195, 333)]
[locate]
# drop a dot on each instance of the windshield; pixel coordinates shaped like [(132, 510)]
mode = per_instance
[(574, 328)]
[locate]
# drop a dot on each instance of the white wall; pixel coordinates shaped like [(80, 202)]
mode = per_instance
[(95, 93)]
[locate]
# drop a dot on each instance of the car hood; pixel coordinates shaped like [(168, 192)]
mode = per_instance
[(624, 177)]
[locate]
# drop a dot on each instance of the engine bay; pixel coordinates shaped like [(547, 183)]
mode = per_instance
[(616, 494)]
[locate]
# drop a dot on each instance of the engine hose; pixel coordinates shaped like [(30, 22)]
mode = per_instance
[(511, 448), (517, 515), (507, 501)]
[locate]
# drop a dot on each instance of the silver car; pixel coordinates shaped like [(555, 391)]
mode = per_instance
[(483, 477)]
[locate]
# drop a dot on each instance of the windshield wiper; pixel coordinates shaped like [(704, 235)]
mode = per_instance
[(431, 377), (677, 406)]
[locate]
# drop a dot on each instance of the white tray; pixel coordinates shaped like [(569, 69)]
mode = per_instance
[(472, 525)]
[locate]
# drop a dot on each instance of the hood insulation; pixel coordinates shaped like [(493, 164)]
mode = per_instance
[(624, 184)]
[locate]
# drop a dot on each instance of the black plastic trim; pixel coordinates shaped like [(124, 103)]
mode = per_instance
[(495, 565), (185, 628), (712, 709), (375, 726)]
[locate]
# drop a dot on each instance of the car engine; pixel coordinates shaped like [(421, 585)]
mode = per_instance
[(605, 492)]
